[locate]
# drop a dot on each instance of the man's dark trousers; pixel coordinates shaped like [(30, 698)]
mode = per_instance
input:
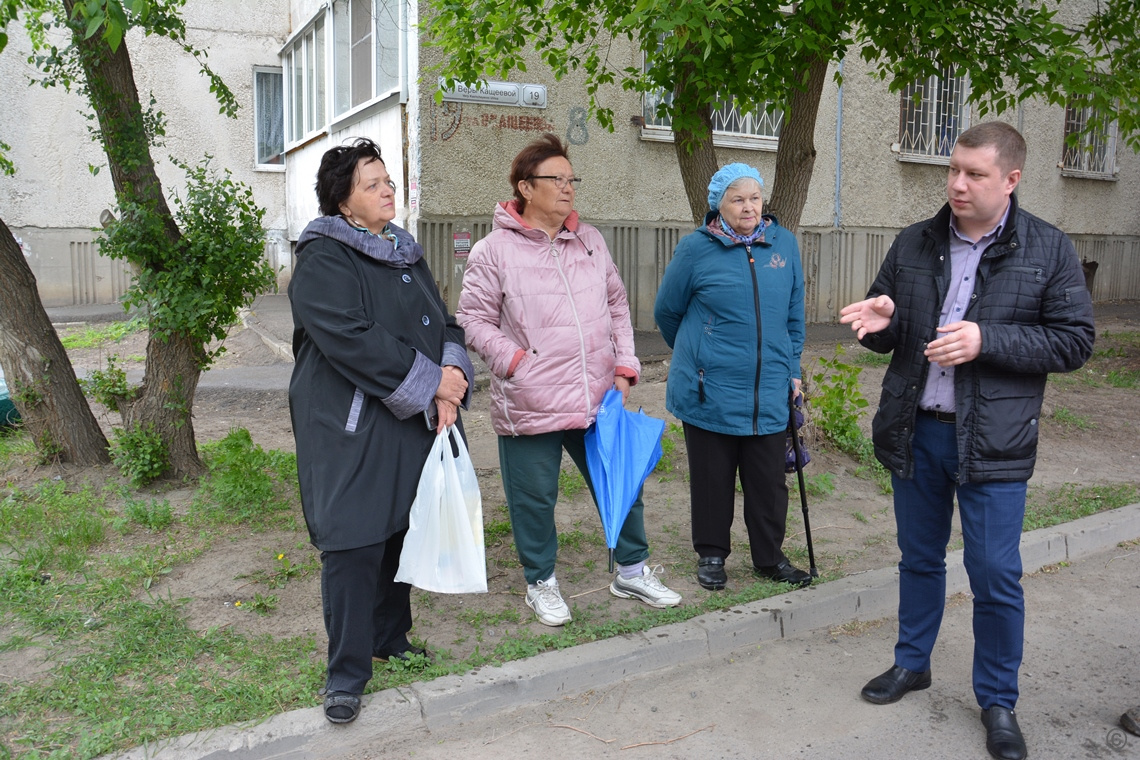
[(991, 515)]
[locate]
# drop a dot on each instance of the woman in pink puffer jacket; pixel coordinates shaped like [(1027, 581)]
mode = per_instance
[(545, 308)]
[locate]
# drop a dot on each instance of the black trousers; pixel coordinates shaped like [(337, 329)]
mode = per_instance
[(714, 461), (365, 610)]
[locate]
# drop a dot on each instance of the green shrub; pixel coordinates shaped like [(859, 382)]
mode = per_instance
[(838, 403), (108, 386), (140, 454), (194, 287)]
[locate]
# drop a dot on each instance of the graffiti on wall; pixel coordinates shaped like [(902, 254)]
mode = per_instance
[(576, 132), (447, 118)]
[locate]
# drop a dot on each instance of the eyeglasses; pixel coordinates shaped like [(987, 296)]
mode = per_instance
[(560, 182)]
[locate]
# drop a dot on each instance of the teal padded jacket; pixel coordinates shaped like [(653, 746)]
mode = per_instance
[(734, 317)]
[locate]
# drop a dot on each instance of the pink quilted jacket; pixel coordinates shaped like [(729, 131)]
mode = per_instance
[(551, 320)]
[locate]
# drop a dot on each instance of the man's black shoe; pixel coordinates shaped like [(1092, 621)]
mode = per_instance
[(785, 572), (1003, 735), (1130, 721), (710, 573), (893, 685)]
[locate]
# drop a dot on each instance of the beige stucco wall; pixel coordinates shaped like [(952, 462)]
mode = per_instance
[(50, 148), (880, 190), (467, 148), (54, 200), (632, 187)]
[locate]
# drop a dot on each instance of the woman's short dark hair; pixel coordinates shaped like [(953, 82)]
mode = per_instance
[(337, 174), (528, 159)]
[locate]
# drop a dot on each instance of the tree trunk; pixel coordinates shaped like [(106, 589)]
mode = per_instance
[(39, 374), (114, 96), (696, 155), (166, 401), (166, 397), (795, 156)]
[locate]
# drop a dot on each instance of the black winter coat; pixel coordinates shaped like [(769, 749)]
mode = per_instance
[(1035, 316), (365, 331)]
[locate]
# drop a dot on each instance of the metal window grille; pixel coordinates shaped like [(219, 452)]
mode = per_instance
[(726, 119), (933, 113), (1095, 151)]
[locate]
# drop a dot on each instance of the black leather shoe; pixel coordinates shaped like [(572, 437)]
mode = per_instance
[(893, 685), (1003, 736), (785, 572), (405, 655), (711, 574), (1130, 721)]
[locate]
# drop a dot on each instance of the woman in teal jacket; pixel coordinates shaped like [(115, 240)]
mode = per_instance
[(731, 305)]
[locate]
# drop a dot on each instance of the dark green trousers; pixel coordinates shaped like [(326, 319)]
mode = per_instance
[(529, 465)]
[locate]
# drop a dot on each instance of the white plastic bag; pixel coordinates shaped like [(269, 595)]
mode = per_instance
[(443, 549)]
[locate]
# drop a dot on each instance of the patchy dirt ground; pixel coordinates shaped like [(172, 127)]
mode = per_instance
[(1089, 434)]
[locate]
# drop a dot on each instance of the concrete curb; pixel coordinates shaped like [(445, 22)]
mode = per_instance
[(279, 347), (454, 699)]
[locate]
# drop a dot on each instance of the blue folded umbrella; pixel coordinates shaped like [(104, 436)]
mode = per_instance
[(622, 448)]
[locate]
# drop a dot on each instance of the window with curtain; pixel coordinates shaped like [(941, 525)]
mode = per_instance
[(727, 118), (269, 116)]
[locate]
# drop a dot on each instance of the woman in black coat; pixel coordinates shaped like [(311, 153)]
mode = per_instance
[(380, 369)]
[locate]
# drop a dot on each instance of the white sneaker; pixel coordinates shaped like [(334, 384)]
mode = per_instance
[(546, 601), (646, 587)]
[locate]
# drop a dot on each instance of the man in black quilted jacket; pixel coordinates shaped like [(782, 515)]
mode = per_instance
[(978, 305)]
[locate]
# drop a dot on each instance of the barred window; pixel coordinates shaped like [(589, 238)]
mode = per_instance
[(733, 127), (727, 119), (932, 114), (1094, 154)]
